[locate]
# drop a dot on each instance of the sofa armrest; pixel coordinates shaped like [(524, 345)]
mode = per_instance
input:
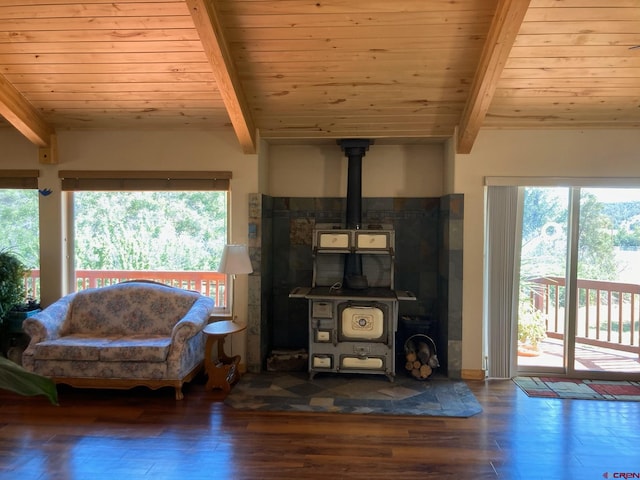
[(46, 325), (188, 327), (193, 322)]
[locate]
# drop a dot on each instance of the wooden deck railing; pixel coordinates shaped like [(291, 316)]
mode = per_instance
[(210, 284), (608, 312)]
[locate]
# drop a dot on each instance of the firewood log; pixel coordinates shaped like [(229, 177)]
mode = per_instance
[(411, 357), (417, 364), (415, 372), (409, 365), (425, 371)]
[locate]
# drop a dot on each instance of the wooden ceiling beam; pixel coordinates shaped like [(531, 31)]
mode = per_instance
[(24, 117), (216, 48), (500, 39)]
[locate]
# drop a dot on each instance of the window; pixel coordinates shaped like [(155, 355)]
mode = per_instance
[(583, 240), (19, 221), (157, 229)]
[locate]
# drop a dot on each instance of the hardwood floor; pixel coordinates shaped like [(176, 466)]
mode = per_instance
[(141, 434)]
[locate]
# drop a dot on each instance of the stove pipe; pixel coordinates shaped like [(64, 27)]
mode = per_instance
[(354, 149)]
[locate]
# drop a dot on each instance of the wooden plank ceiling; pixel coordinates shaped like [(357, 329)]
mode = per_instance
[(308, 71)]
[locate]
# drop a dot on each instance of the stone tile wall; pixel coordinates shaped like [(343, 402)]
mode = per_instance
[(280, 237), (450, 282)]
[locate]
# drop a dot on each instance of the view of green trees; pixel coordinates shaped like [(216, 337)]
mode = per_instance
[(627, 215), (20, 227), (603, 228), (166, 231)]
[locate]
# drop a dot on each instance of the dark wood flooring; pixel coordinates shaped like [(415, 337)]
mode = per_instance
[(142, 434)]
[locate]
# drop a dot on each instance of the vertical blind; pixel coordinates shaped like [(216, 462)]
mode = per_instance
[(502, 295)]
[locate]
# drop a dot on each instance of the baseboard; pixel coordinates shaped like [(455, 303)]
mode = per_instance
[(473, 374)]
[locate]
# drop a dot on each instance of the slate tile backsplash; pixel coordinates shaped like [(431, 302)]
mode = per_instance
[(428, 262)]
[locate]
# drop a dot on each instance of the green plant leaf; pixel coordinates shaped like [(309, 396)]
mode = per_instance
[(16, 379)]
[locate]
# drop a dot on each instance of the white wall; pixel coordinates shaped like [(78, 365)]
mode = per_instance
[(570, 153), (387, 171), (16, 152)]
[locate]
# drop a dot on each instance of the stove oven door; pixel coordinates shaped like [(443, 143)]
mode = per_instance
[(363, 322)]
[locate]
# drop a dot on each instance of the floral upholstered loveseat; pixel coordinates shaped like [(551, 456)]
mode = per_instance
[(120, 336)]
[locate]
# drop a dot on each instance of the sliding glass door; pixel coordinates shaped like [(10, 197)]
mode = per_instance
[(543, 270), (606, 335), (579, 281)]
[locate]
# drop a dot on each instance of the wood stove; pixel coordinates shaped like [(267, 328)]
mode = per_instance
[(353, 307)]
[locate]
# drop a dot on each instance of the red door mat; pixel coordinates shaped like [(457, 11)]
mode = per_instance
[(557, 387)]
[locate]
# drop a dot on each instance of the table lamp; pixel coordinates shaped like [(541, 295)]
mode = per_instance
[(235, 259)]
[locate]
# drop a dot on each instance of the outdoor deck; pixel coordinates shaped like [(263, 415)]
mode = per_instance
[(588, 358), (607, 324)]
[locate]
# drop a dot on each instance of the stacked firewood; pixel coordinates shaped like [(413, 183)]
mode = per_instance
[(421, 356)]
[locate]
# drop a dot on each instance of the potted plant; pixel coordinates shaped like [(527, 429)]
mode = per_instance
[(19, 312), (14, 304), (532, 329), (12, 272), (13, 301)]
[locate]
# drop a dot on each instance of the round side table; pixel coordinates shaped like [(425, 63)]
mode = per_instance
[(222, 371)]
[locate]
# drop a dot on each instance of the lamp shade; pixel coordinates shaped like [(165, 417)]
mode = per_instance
[(235, 259)]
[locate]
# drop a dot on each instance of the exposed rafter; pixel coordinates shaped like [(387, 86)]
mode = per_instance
[(211, 35), (502, 34), (23, 116)]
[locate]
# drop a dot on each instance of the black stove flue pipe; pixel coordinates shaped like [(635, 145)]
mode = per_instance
[(354, 149)]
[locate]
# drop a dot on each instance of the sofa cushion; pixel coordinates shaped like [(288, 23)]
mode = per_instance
[(106, 349), (72, 347), (128, 309), (136, 349), (105, 371)]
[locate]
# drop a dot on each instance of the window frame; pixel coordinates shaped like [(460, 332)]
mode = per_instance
[(128, 181)]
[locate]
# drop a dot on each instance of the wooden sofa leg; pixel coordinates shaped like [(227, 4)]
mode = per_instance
[(179, 395)]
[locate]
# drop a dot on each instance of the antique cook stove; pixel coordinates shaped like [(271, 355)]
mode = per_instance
[(353, 307)]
